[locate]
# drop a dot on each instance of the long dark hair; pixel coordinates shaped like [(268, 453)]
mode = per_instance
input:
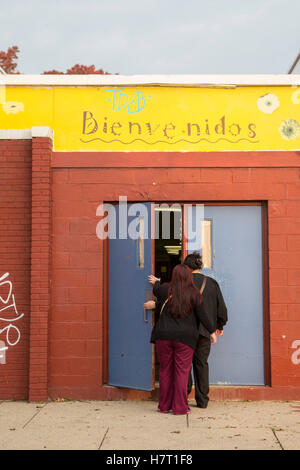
[(182, 292)]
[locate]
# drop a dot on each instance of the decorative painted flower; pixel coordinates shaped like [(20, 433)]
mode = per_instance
[(296, 96), (268, 103), (12, 107), (289, 129)]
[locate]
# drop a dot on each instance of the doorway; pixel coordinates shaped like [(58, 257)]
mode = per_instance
[(168, 249), (168, 240), (229, 237)]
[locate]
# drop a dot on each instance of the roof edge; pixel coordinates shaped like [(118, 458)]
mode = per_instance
[(150, 80)]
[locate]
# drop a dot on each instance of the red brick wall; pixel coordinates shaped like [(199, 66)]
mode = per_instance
[(15, 229), (77, 278), (77, 329), (40, 268), (59, 282)]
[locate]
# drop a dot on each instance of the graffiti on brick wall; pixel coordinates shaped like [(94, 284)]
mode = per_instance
[(296, 354), (9, 332)]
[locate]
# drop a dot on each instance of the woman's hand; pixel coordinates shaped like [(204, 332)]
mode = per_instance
[(152, 279), (213, 338), (150, 304)]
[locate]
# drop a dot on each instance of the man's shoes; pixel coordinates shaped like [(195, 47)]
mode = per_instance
[(201, 406)]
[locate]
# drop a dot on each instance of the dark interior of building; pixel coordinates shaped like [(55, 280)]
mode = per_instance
[(168, 248)]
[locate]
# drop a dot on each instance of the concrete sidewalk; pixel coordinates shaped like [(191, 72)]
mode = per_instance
[(122, 425)]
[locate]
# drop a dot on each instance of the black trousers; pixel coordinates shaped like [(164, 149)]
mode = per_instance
[(201, 372)]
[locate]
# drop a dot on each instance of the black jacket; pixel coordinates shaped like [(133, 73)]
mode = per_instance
[(183, 330), (213, 302)]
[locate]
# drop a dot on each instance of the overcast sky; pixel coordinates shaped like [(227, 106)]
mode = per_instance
[(153, 37)]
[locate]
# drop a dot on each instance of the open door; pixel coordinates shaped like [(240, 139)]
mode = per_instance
[(130, 326)]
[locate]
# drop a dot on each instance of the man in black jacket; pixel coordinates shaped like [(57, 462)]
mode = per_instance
[(215, 306)]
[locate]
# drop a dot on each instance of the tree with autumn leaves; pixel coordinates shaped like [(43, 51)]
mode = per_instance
[(78, 69), (8, 59), (8, 63)]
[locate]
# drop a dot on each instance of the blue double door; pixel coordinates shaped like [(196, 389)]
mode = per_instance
[(230, 240)]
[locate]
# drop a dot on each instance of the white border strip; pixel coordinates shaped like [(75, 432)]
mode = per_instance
[(14, 134), (148, 80), (25, 134), (42, 132)]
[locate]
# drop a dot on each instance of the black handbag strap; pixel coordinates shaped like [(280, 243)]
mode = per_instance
[(163, 305)]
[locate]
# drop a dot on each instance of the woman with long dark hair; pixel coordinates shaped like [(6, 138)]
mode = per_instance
[(175, 336)]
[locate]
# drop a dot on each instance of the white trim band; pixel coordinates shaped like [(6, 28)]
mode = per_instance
[(148, 80), (25, 134), (42, 132)]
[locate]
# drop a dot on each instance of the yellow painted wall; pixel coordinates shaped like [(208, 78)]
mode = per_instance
[(157, 118)]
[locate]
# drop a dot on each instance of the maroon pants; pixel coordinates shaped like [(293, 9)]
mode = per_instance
[(175, 362)]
